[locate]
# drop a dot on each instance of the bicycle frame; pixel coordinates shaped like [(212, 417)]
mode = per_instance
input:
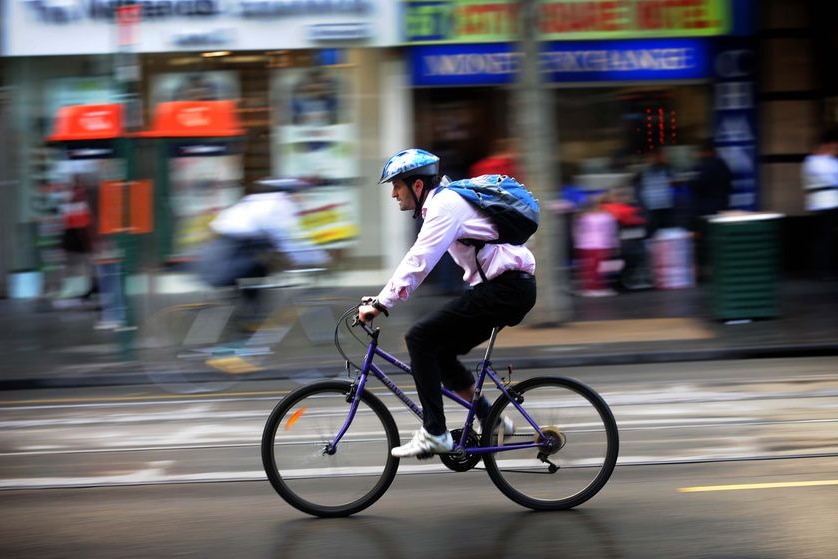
[(368, 367)]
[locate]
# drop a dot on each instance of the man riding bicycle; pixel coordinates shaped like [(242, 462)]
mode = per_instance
[(503, 298)]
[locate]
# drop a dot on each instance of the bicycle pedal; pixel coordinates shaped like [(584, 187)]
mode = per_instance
[(453, 453), (427, 456)]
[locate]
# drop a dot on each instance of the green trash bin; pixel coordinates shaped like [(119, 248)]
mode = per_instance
[(744, 254)]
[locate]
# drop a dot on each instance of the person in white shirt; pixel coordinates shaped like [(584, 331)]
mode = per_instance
[(435, 342), (249, 233), (820, 185)]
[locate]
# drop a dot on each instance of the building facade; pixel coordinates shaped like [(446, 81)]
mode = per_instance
[(331, 88), (310, 80)]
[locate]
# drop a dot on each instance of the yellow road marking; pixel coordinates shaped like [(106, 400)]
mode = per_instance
[(745, 486)]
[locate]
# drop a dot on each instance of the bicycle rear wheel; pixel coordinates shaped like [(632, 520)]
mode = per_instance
[(343, 482), (583, 444)]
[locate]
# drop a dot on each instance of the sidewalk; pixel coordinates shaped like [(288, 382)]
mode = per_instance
[(51, 348)]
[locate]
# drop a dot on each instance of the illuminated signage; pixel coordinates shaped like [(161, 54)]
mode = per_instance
[(63, 27), (476, 21), (589, 61), (735, 118), (65, 11)]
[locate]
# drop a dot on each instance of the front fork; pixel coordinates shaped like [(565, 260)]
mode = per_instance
[(353, 397)]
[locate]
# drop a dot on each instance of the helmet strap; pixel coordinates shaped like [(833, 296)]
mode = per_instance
[(419, 199)]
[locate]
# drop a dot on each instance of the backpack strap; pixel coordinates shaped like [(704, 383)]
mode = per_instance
[(477, 246)]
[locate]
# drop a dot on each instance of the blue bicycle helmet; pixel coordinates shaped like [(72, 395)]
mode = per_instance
[(410, 162)]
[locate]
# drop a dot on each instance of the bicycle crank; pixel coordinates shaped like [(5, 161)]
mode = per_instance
[(461, 461)]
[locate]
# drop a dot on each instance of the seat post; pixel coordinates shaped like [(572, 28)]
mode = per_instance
[(491, 345)]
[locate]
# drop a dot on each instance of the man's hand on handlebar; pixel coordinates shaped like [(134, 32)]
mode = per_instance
[(369, 309)]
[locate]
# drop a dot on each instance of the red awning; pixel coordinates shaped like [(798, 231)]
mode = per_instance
[(87, 122), (195, 119)]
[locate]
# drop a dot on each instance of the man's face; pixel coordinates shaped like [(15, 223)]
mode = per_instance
[(401, 192)]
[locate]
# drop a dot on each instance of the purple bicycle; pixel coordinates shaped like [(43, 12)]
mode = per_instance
[(326, 445)]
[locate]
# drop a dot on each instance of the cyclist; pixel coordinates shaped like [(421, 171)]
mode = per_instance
[(251, 233), (435, 341)]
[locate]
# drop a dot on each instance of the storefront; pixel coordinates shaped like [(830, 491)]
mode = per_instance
[(301, 75), (627, 78)]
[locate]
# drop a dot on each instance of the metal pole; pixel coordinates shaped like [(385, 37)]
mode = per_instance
[(539, 140)]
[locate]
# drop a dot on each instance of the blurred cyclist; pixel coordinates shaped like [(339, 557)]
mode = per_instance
[(465, 322), (250, 234)]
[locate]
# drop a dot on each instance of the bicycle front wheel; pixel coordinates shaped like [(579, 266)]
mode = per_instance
[(314, 478), (579, 451)]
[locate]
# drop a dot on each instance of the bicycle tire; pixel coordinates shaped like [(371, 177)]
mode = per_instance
[(573, 415), (346, 482)]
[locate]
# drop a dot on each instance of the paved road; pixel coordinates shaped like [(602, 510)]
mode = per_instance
[(641, 514), (686, 412), (133, 472)]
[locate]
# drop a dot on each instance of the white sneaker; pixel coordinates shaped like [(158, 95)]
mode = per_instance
[(423, 445), (508, 425)]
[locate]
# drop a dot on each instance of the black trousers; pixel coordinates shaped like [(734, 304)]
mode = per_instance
[(436, 341)]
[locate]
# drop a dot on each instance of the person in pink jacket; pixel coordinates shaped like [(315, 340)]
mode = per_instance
[(596, 239)]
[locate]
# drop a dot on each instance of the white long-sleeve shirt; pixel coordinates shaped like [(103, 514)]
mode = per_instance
[(270, 215), (820, 181), (448, 217)]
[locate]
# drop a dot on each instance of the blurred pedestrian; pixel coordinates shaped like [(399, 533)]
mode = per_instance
[(78, 239), (710, 189), (501, 160), (620, 203), (109, 274), (596, 241), (712, 183), (820, 184), (655, 190)]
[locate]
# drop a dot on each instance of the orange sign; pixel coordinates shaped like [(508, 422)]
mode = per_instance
[(195, 119), (125, 207), (88, 122)]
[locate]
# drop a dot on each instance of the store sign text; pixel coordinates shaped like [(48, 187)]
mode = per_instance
[(212, 37), (97, 121), (461, 21), (616, 60), (67, 11)]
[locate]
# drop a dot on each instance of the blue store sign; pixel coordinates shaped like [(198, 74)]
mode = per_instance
[(588, 61)]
